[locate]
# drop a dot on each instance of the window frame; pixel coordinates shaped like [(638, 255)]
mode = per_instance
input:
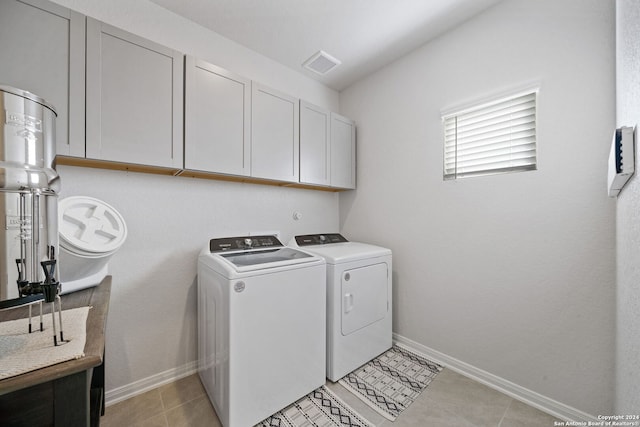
[(484, 106)]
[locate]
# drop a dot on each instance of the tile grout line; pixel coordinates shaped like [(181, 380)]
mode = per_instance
[(164, 406), (505, 413)]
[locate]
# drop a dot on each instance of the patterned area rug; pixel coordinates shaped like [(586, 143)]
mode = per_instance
[(392, 381), (320, 408)]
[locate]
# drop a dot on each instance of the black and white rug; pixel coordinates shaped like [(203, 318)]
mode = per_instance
[(320, 408), (392, 381)]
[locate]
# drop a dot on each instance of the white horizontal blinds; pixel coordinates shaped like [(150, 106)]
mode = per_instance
[(491, 138)]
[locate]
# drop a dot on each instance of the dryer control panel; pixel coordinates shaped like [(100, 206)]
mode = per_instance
[(319, 239)]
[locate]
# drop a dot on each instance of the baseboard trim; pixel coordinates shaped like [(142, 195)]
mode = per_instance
[(531, 398), (138, 387)]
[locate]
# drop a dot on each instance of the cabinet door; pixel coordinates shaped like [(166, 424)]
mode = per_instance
[(42, 51), (274, 134), (343, 152), (315, 136), (134, 98), (217, 119)]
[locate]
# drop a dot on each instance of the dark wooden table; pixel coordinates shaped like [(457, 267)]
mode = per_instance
[(67, 394)]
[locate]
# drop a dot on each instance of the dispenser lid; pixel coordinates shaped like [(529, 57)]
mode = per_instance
[(28, 95), (90, 225)]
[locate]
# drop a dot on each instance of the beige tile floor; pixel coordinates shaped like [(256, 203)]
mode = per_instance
[(450, 400)]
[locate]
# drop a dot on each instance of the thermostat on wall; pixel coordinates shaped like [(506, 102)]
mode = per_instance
[(621, 159)]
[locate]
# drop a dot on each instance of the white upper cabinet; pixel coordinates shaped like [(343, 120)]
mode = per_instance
[(327, 148), (274, 134), (134, 98), (343, 152), (42, 51), (131, 102), (217, 119), (315, 140)]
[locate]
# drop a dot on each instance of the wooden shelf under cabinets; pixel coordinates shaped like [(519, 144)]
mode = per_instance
[(106, 164), (130, 167)]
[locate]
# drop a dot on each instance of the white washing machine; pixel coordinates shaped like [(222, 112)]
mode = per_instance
[(358, 300), (261, 326)]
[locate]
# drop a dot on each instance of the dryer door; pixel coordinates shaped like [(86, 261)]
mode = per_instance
[(364, 296)]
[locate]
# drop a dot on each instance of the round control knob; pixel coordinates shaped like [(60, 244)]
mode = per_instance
[(248, 242), (323, 238)]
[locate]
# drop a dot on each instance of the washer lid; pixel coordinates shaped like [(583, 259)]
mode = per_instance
[(90, 225), (265, 259)]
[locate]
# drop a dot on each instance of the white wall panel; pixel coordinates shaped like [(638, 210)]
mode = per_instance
[(152, 318), (628, 209), (513, 274)]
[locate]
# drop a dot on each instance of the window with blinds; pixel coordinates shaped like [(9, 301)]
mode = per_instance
[(495, 137)]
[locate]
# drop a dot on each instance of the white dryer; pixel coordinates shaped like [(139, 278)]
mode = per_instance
[(261, 326), (358, 300)]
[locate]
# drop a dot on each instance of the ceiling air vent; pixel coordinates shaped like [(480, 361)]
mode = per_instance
[(321, 63)]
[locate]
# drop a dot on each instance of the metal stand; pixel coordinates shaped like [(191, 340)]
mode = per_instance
[(50, 289)]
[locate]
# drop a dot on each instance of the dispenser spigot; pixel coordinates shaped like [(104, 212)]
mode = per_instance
[(23, 284), (50, 285)]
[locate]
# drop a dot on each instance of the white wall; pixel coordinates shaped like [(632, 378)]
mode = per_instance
[(512, 274), (628, 214), (152, 319)]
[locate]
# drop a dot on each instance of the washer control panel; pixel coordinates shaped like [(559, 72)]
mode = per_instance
[(319, 239), (243, 243)]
